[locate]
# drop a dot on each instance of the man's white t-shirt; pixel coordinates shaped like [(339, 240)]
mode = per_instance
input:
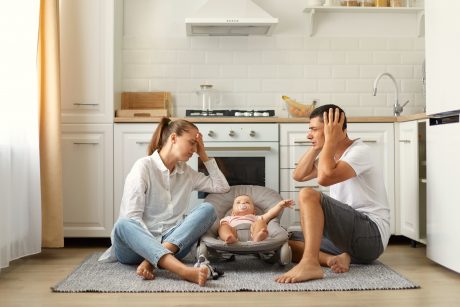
[(366, 191)]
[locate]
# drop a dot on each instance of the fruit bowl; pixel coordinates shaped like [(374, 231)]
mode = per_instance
[(296, 109)]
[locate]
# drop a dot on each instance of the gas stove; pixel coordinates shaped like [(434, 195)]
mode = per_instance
[(230, 113)]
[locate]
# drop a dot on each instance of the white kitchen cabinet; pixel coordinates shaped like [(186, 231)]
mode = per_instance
[(294, 142), (87, 172), (130, 143), (410, 179), (87, 61)]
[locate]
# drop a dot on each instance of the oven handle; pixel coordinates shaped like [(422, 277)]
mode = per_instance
[(245, 148)]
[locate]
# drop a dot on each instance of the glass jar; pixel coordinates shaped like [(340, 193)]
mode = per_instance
[(207, 96), (398, 3), (349, 3), (381, 3), (367, 3)]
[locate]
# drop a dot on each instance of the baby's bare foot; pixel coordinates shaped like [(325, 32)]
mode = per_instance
[(145, 270), (230, 239), (260, 236)]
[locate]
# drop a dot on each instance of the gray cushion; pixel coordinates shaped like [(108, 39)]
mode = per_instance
[(264, 199)]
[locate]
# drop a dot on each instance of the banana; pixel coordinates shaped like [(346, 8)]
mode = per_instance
[(298, 109)]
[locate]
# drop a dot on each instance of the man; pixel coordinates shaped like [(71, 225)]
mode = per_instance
[(352, 224)]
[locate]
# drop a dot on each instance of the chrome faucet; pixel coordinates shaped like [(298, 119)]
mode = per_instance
[(397, 108)]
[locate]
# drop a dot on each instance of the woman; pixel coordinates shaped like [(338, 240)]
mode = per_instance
[(151, 230)]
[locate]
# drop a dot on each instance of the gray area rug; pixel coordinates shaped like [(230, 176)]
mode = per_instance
[(246, 273)]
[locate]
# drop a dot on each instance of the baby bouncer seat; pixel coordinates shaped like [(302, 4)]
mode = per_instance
[(274, 248)]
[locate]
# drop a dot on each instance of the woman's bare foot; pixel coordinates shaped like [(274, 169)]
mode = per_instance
[(196, 275), (230, 239), (145, 270), (339, 263), (303, 271), (260, 236)]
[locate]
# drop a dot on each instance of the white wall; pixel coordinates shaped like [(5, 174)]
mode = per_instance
[(336, 65)]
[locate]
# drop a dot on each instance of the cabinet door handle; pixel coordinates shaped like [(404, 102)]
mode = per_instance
[(306, 186), (369, 141), (244, 149), (404, 141), (86, 143), (85, 104), (142, 142), (302, 142)]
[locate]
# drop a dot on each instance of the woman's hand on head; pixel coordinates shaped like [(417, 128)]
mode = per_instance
[(200, 150)]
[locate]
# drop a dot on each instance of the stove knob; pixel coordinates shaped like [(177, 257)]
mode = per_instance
[(211, 133), (258, 113), (265, 114), (252, 133), (238, 114), (231, 133), (247, 114), (204, 113)]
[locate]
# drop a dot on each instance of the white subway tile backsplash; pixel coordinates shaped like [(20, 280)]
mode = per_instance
[(331, 86), (262, 71), (345, 44), (249, 57), (205, 71), (234, 43), (191, 57), (163, 57), (135, 85), (334, 65), (317, 71), (136, 57), (331, 57), (401, 71), (234, 71), (372, 44), (387, 57), (345, 71), (289, 42), (290, 71), (359, 57), (310, 43), (247, 85), (219, 57)]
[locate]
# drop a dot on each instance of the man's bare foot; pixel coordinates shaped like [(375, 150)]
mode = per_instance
[(301, 272), (339, 263), (230, 239), (196, 275), (261, 235), (145, 270)]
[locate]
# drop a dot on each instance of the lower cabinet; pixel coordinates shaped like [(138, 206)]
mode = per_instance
[(87, 172), (294, 142), (410, 179), (130, 143)]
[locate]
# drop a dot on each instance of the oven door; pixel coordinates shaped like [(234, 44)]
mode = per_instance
[(252, 163)]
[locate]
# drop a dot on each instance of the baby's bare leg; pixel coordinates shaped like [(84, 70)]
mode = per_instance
[(228, 234), (259, 230)]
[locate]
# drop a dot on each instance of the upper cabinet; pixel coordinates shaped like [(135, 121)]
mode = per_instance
[(87, 57), (442, 56), (361, 20)]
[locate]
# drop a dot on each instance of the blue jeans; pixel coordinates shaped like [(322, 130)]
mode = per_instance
[(132, 243)]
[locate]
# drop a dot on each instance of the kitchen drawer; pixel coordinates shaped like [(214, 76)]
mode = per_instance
[(289, 184), (290, 155)]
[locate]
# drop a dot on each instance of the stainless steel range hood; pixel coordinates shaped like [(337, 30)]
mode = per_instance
[(230, 18)]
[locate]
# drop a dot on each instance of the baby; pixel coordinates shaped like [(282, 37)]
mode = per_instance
[(244, 212)]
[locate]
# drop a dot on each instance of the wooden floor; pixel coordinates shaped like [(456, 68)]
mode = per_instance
[(27, 282)]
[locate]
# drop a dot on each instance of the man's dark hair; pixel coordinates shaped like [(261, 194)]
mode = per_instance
[(319, 111)]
